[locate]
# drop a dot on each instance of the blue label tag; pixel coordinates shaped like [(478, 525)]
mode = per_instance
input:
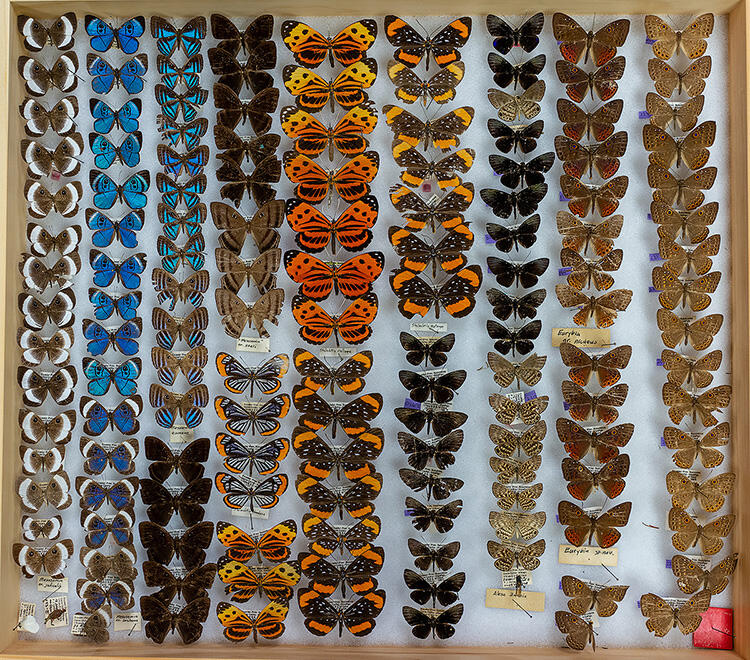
[(669, 564), (489, 240), (531, 394), (659, 362), (638, 603), (655, 256), (410, 403), (409, 513), (557, 518), (559, 584), (653, 289), (563, 198), (564, 271), (650, 42), (643, 114), (650, 217), (662, 443), (566, 405)]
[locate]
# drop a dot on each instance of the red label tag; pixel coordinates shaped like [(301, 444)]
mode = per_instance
[(716, 630)]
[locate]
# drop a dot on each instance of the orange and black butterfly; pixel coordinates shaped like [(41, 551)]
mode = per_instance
[(349, 376), (266, 376), (353, 418), (356, 500), (353, 325), (325, 577), (239, 625), (416, 255), (416, 169), (610, 479), (322, 616), (411, 46), (582, 527), (315, 231), (418, 213), (325, 539), (597, 125), (440, 88), (309, 47), (262, 421), (321, 459), (583, 366), (441, 132), (271, 545), (243, 582), (314, 184), (346, 89), (583, 406), (604, 445), (318, 278), (457, 296)]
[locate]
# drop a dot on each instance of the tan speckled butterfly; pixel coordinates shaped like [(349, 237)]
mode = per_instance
[(513, 471), (583, 405), (583, 273), (691, 371), (524, 556), (603, 309), (698, 333), (507, 410), (692, 80), (690, 150), (679, 260), (584, 598), (505, 372), (681, 115), (691, 577), (524, 499), (578, 631), (580, 236), (688, 447), (688, 533), (687, 225), (606, 366), (508, 443), (691, 40), (524, 525), (682, 404), (662, 617), (709, 494)]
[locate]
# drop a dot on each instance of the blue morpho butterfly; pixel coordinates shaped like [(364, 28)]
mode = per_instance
[(173, 222), (132, 192), (100, 376), (124, 37), (104, 77), (122, 339), (124, 417), (172, 103), (191, 163), (106, 230), (173, 193), (188, 74), (94, 494), (169, 38), (98, 529), (105, 118), (127, 272), (192, 254), (106, 153), (189, 134), (120, 456), (105, 305)]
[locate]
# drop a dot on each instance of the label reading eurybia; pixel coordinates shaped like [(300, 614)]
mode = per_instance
[(581, 337), (587, 555)]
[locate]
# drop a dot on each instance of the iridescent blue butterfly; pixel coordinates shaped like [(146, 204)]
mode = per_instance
[(125, 37), (124, 417), (189, 134), (100, 376), (107, 192), (170, 406), (172, 103), (98, 458), (127, 272), (106, 153), (105, 305), (105, 118), (187, 74), (94, 595), (173, 222), (175, 163), (122, 339), (105, 77), (106, 229), (98, 529), (169, 38), (191, 254), (173, 193), (94, 494)]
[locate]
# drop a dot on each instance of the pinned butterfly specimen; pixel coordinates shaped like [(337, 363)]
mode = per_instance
[(691, 40), (35, 529), (578, 631), (118, 494), (508, 138), (318, 279), (235, 227), (188, 462), (187, 75), (239, 457), (36, 428), (513, 174), (584, 598), (709, 494), (687, 192), (39, 79), (93, 595), (416, 255), (325, 540), (351, 181), (602, 309), (524, 275), (524, 202), (122, 339), (457, 296), (107, 118), (510, 496), (517, 340), (689, 447), (525, 36), (438, 622), (520, 106), (232, 39), (35, 495), (170, 406), (190, 254), (680, 115), (582, 528), (34, 461), (412, 47), (188, 546), (579, 236), (524, 75), (351, 326), (692, 80), (582, 481), (509, 556), (440, 88), (504, 372), (603, 407), (41, 201), (263, 420), (507, 443), (59, 117), (353, 459), (272, 545), (689, 150), (309, 47), (234, 73), (691, 293), (583, 366), (36, 349), (423, 350), (433, 556), (583, 199), (124, 417), (106, 153), (440, 389), (313, 92), (580, 160), (255, 184), (162, 504), (318, 414), (98, 566), (662, 617), (238, 624), (189, 587), (438, 487), (104, 77), (423, 515), (236, 314), (578, 83), (119, 457), (326, 577), (63, 160), (127, 273), (189, 134), (191, 291), (233, 111), (597, 125), (251, 495), (575, 42), (187, 193), (514, 471), (173, 223), (444, 592), (441, 132), (170, 39), (260, 271), (266, 376), (699, 333), (418, 213), (58, 32), (190, 163), (242, 582), (523, 235), (681, 404), (51, 561), (523, 525), (131, 192), (695, 372), (188, 329), (416, 169), (323, 616), (101, 376), (691, 577), (348, 376), (168, 366), (441, 422), (58, 311), (37, 386), (680, 260), (107, 230), (39, 277), (104, 36), (355, 499), (187, 621)]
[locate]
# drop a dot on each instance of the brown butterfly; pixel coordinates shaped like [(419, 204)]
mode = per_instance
[(505, 372), (669, 190), (261, 271), (36, 349), (582, 527), (236, 228), (682, 404), (242, 149), (60, 116), (610, 479), (122, 564), (606, 367), (36, 386), (35, 460), (38, 276), (582, 273), (58, 311), (50, 561), (515, 554), (699, 333), (96, 627), (578, 83), (692, 80), (524, 499), (190, 290), (576, 42), (233, 110), (583, 406), (662, 617), (690, 150), (579, 236), (40, 428), (41, 201), (682, 115), (582, 198), (689, 533), (521, 106), (605, 445), (581, 159), (35, 529), (508, 443), (584, 598), (510, 470), (597, 125), (709, 494), (524, 525), (189, 328), (666, 41), (189, 587), (602, 309), (578, 631), (169, 365), (236, 314), (39, 79), (63, 160), (691, 577), (679, 260), (695, 372), (528, 412), (256, 184), (42, 242), (688, 446)]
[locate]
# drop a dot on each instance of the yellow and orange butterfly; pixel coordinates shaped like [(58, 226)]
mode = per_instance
[(243, 582), (310, 47), (271, 545), (239, 625), (346, 89), (314, 184)]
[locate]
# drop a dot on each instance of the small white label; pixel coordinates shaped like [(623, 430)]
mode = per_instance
[(79, 621), (510, 578), (429, 406), (507, 599), (432, 471), (337, 351), (427, 326), (434, 373), (252, 406), (262, 514), (180, 434), (47, 584), (129, 621), (587, 555), (515, 397), (26, 609), (56, 612), (254, 344)]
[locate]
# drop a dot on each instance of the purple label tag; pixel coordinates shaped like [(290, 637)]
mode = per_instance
[(557, 518), (559, 42), (566, 405), (489, 240), (564, 271), (531, 394), (655, 256), (410, 403), (669, 564), (559, 585), (650, 42), (653, 289), (661, 442), (644, 114), (563, 198), (489, 270), (650, 217), (638, 603), (409, 513), (659, 362)]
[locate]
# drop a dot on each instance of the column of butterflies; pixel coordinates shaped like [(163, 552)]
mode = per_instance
[(590, 151), (421, 286), (51, 155), (518, 452), (674, 139)]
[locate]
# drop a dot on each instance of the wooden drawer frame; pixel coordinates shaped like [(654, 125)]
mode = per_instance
[(12, 241)]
